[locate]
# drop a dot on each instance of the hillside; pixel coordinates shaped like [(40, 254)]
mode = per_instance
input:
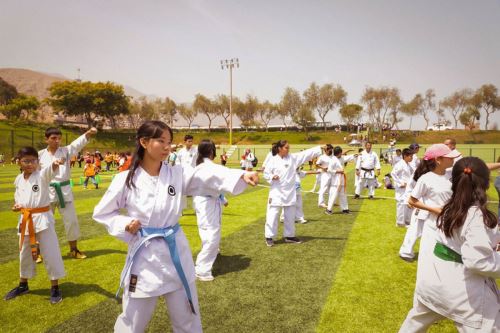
[(30, 82)]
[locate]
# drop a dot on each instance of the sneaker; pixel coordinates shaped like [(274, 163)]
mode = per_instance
[(39, 259), (96, 186), (346, 211), (356, 196), (328, 212), (205, 277), (17, 291), (370, 197), (301, 221), (400, 225), (322, 205), (407, 259), (77, 254), (55, 295), (292, 240), (269, 242)]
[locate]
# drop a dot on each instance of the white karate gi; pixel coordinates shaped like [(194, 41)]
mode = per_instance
[(187, 157), (465, 293), (415, 162), (299, 209), (248, 161), (68, 213), (337, 184), (156, 202), (325, 177), (33, 193), (402, 174), (414, 231), (368, 161), (208, 210), (283, 191)]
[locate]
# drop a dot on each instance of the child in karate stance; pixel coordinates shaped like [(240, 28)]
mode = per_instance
[(159, 261), (325, 176), (338, 182), (402, 173), (208, 210), (36, 223), (280, 172), (459, 282)]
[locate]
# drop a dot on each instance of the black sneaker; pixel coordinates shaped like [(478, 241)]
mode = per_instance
[(370, 197), (269, 242), (292, 240), (328, 212), (346, 211), (356, 196), (55, 295), (17, 291)]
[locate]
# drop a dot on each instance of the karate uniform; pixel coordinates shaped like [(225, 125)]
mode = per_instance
[(402, 173), (299, 209), (156, 202), (208, 210), (67, 212), (283, 192), (414, 231), (337, 184), (34, 193), (415, 162), (187, 157), (266, 160), (367, 163), (465, 293), (325, 177)]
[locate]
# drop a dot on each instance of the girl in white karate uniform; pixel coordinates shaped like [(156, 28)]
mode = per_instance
[(459, 283), (159, 260), (325, 176), (280, 172), (338, 182), (402, 172), (208, 210)]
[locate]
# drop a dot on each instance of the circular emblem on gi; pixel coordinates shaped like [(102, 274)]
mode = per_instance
[(35, 188), (171, 190)]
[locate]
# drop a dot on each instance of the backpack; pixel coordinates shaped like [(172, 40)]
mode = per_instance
[(255, 161)]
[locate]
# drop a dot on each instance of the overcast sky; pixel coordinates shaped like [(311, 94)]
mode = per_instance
[(173, 48)]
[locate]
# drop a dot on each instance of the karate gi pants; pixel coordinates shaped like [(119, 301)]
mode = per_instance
[(137, 312), (370, 182), (273, 212), (299, 209), (208, 214), (413, 233), (69, 218), (323, 187), (337, 191), (316, 182), (49, 249), (420, 318)]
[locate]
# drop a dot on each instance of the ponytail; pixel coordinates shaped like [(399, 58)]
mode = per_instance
[(277, 145), (206, 149), (424, 167)]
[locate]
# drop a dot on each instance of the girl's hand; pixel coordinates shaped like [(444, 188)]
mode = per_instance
[(133, 227), (57, 163), (16, 208), (251, 178)]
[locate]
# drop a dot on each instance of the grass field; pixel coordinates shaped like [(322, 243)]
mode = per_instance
[(345, 277)]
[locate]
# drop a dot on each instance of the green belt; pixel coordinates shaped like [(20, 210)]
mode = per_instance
[(57, 186), (444, 252)]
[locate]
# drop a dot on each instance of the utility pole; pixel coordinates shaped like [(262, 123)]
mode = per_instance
[(230, 64)]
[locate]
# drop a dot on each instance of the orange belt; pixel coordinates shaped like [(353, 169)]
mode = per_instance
[(28, 219), (345, 182)]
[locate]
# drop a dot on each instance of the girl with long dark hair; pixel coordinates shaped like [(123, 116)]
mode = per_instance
[(159, 260), (459, 283)]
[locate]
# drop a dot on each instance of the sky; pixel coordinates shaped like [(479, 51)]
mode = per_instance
[(174, 48)]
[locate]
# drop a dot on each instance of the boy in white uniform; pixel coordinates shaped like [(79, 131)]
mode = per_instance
[(61, 195), (188, 154), (36, 223), (415, 161), (366, 165), (322, 165), (402, 174), (338, 184)]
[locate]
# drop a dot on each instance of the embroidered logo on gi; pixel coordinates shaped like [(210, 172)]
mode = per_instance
[(133, 283), (35, 188), (171, 190)]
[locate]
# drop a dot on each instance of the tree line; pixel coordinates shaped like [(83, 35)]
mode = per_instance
[(381, 108)]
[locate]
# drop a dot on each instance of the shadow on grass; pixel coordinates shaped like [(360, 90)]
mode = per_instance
[(229, 264), (70, 289)]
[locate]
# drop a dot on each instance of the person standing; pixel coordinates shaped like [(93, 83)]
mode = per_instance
[(367, 168), (61, 194), (187, 155), (338, 184), (402, 173), (415, 162), (325, 178)]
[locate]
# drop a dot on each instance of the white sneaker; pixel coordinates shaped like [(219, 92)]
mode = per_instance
[(302, 221), (322, 205), (205, 277)]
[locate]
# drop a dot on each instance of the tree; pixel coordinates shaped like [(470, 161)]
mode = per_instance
[(291, 103), (19, 106), (456, 103), (469, 116), (168, 108), (267, 111), (351, 113), (7, 92), (382, 106), (413, 107), (188, 113), (92, 100), (221, 105), (487, 99), (324, 99), (428, 105), (303, 117), (204, 105), (247, 111)]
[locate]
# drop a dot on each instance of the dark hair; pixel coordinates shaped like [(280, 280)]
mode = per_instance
[(424, 167), (26, 151), (206, 149), (337, 151), (329, 147), (277, 145), (188, 137), (151, 129), (360, 150), (470, 179), (51, 131), (407, 152), (398, 150), (368, 142)]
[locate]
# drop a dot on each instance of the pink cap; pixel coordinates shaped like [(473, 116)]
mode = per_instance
[(440, 150)]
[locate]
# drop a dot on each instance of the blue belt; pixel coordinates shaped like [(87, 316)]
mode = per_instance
[(168, 234)]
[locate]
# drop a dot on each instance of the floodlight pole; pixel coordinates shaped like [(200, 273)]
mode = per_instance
[(230, 64)]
